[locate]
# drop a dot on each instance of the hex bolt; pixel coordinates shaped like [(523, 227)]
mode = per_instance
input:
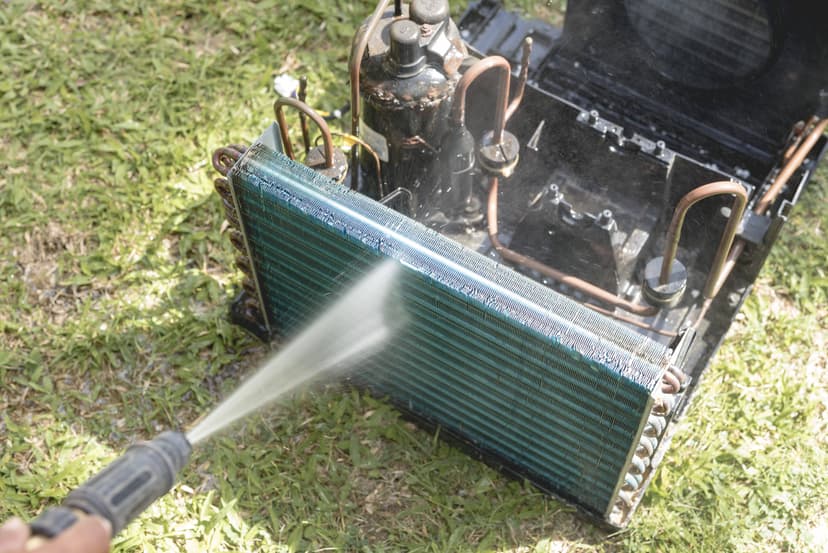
[(593, 117), (605, 219), (659, 148)]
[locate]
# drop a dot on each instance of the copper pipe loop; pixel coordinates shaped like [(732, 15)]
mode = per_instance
[(327, 141), (648, 447), (458, 107), (504, 108), (222, 186), (249, 286), (224, 158), (229, 212), (243, 264), (237, 240), (674, 231), (252, 308), (678, 373), (231, 216)]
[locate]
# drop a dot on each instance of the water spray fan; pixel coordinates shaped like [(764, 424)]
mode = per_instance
[(578, 218)]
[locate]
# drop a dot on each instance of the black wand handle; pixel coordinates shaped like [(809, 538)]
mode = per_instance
[(122, 490)]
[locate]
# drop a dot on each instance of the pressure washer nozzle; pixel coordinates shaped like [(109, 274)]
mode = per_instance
[(122, 490)]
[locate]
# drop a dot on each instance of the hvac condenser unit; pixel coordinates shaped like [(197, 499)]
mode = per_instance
[(579, 214)]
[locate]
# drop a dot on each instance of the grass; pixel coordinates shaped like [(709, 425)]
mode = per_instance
[(114, 285)]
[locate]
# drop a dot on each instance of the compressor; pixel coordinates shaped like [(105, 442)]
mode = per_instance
[(578, 216)]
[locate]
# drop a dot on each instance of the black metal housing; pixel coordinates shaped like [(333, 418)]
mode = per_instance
[(622, 132)]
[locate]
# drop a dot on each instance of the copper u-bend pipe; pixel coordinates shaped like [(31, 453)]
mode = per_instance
[(458, 106), (504, 109), (674, 232), (327, 140)]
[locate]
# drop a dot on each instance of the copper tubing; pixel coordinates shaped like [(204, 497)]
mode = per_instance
[(327, 141), (799, 133), (790, 168), (458, 107), (504, 108), (730, 262), (524, 74), (674, 232), (705, 307), (358, 47), (225, 158), (563, 278), (770, 195)]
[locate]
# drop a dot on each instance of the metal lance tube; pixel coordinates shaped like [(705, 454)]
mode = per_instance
[(122, 490)]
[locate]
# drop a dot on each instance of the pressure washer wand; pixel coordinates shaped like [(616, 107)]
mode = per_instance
[(122, 490)]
